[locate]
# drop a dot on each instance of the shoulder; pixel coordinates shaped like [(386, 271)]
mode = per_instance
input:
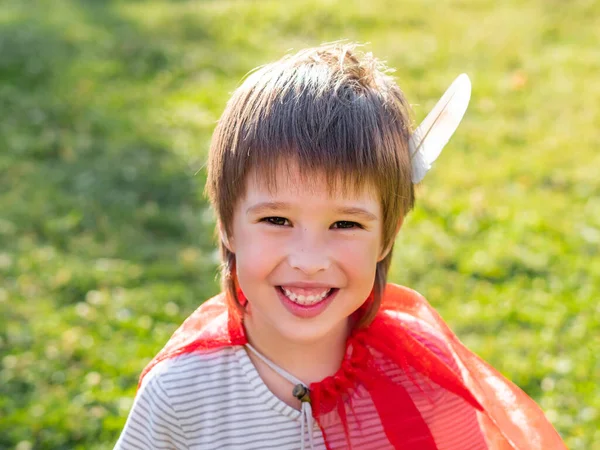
[(169, 397), (409, 308), (196, 383), (182, 400), (402, 297), (190, 369)]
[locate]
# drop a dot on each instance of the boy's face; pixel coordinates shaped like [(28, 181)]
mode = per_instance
[(296, 237)]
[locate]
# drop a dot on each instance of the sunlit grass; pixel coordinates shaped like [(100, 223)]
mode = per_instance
[(106, 243)]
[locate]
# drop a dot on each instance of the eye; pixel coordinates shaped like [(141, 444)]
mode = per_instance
[(340, 224), (347, 225), (277, 221)]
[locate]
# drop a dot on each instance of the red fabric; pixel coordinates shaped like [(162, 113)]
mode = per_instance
[(407, 382)]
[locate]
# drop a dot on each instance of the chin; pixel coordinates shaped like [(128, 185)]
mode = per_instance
[(307, 334)]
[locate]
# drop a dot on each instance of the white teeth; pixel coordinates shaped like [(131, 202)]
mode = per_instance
[(306, 299)]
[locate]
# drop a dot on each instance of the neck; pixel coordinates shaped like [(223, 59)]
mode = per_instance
[(308, 361)]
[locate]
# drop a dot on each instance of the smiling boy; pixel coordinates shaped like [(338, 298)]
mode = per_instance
[(311, 172)]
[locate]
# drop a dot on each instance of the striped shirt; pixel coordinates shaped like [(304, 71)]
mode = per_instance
[(211, 400), (217, 400)]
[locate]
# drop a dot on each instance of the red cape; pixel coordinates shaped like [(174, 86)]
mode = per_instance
[(407, 334)]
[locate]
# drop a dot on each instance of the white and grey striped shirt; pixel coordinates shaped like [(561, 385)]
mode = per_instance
[(211, 400), (216, 400)]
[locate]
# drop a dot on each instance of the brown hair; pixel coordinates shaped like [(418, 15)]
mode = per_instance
[(332, 110)]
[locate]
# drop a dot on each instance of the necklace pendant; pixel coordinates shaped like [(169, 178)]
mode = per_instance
[(301, 392)]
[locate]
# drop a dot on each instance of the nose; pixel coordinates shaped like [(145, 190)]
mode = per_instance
[(308, 253)]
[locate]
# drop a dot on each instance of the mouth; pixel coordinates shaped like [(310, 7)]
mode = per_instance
[(304, 297), (306, 306)]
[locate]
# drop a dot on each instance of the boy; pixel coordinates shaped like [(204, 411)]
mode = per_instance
[(311, 172)]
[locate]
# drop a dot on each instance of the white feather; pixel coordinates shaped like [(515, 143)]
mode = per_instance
[(428, 140)]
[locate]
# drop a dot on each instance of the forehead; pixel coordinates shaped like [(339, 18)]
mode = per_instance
[(288, 180)]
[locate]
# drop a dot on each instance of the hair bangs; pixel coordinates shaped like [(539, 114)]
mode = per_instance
[(323, 125)]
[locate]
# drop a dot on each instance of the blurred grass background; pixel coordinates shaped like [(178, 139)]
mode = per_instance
[(106, 112)]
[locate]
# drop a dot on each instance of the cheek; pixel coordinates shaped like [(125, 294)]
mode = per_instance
[(359, 260), (257, 257), (364, 250)]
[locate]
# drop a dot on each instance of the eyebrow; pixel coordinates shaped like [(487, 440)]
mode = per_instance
[(264, 207)]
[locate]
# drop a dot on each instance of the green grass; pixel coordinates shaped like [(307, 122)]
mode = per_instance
[(106, 242)]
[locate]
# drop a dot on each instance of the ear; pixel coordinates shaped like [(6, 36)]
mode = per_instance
[(389, 248), (225, 239)]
